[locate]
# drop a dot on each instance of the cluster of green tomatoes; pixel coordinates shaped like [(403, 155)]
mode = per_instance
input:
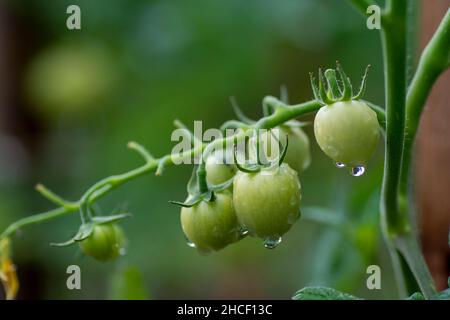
[(228, 201), (264, 200)]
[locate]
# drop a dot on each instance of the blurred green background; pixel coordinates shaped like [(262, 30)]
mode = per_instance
[(75, 98)]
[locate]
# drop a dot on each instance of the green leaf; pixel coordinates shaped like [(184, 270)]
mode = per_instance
[(322, 293)]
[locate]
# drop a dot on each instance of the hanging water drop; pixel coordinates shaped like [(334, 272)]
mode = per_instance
[(340, 165), (243, 231), (272, 242), (357, 171), (189, 242)]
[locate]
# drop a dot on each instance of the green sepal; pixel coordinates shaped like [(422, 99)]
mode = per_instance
[(283, 153), (192, 186), (222, 186), (347, 92), (334, 92), (314, 88), (84, 232), (196, 198), (322, 92), (109, 219), (362, 87)]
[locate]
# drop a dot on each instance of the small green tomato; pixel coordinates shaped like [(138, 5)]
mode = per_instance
[(267, 203), (219, 170), (106, 242), (211, 226), (347, 132)]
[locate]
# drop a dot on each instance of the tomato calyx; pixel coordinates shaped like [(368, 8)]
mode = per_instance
[(87, 228), (329, 90), (199, 190), (262, 163)]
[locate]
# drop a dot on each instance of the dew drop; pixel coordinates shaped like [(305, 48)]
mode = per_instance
[(357, 171), (340, 165), (189, 242), (243, 231), (272, 242)]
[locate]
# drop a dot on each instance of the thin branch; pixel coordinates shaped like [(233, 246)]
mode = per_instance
[(53, 197)]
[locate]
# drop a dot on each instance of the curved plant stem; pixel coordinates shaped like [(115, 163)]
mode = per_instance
[(433, 62)]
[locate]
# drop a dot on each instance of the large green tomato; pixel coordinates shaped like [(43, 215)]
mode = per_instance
[(219, 170), (298, 155), (267, 203), (348, 132), (211, 226), (106, 242)]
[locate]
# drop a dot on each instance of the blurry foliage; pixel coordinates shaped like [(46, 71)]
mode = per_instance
[(132, 69)]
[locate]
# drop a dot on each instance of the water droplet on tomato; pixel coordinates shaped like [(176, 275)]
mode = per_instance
[(340, 165), (272, 242), (189, 242), (357, 171), (243, 231)]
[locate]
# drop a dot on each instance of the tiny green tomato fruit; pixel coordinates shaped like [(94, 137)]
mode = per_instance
[(106, 242), (347, 132), (267, 203), (211, 226), (219, 170)]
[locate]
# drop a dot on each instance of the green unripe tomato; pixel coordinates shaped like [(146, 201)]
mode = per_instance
[(211, 226), (106, 242), (298, 155), (347, 132), (267, 203), (219, 170), (70, 79)]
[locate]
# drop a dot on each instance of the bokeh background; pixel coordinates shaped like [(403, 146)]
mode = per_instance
[(71, 100)]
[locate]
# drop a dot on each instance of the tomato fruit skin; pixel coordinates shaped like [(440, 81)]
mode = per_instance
[(347, 132), (105, 243), (298, 155), (217, 170), (211, 226), (267, 203)]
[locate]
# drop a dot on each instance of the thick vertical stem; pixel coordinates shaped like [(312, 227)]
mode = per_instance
[(396, 223), (394, 53)]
